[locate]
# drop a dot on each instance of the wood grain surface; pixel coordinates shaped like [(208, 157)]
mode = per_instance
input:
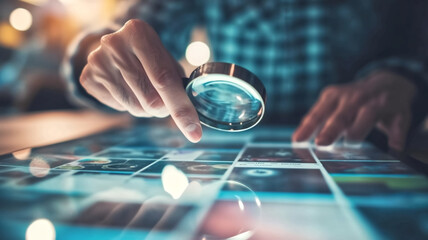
[(45, 128)]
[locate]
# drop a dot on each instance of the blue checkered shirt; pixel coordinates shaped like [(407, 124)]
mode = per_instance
[(297, 47)]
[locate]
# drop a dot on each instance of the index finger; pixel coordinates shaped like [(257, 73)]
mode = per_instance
[(166, 79), (317, 115)]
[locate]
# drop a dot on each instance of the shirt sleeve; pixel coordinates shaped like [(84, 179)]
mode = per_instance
[(408, 57), (414, 70), (172, 20)]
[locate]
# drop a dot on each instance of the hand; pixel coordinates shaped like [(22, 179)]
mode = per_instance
[(382, 100), (132, 71)]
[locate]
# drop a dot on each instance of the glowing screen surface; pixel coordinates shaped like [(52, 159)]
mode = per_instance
[(151, 183)]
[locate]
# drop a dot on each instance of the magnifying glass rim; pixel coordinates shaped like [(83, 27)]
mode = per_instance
[(238, 75), (227, 78)]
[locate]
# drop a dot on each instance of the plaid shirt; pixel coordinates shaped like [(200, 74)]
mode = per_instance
[(297, 47)]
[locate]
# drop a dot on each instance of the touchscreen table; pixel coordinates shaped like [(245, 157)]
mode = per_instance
[(151, 183)]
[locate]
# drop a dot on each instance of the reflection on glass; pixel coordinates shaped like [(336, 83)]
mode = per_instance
[(23, 154), (329, 148), (235, 215), (39, 167), (225, 101), (174, 181), (303, 144), (40, 229)]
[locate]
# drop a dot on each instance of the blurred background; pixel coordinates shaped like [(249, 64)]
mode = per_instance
[(34, 36)]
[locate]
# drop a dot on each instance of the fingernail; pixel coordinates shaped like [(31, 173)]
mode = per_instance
[(194, 131)]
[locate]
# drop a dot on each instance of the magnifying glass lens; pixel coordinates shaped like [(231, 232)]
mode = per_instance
[(224, 101), (227, 97), (226, 105)]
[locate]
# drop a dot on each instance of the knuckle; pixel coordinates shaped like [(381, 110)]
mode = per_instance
[(91, 57), (139, 32), (155, 103), (181, 113), (94, 57), (85, 78), (136, 25), (108, 83), (106, 39), (83, 81), (163, 78), (330, 89), (110, 40), (330, 92), (132, 23)]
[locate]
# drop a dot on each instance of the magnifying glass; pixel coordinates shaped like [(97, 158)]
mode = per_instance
[(227, 97)]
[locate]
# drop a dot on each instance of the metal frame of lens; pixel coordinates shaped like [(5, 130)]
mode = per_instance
[(234, 73)]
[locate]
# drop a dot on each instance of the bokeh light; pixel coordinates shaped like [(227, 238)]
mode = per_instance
[(40, 229), (197, 53), (39, 167), (9, 36), (21, 19)]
